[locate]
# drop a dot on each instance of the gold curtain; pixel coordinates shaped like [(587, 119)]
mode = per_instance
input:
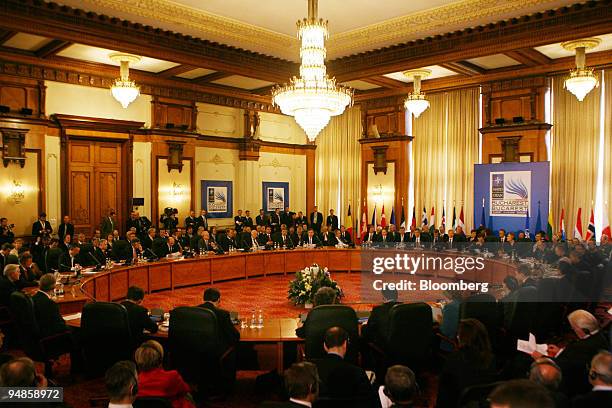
[(444, 151), (607, 175), (575, 142), (462, 151), (429, 157), (338, 165)]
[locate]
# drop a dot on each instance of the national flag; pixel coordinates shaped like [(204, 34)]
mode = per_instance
[(549, 225), (424, 218), (374, 217), (562, 224), (383, 220), (483, 222), (443, 224), (364, 220), (527, 224), (403, 219), (413, 222), (349, 221), (454, 218), (606, 223), (591, 228), (432, 219), (461, 220), (578, 228), (538, 220), (392, 219)]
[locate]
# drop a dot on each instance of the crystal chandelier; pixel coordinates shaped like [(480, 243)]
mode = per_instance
[(581, 80), (416, 101), (124, 90), (313, 97)]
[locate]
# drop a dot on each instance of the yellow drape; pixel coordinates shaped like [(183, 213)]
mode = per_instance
[(338, 165), (444, 151), (607, 175), (575, 142)]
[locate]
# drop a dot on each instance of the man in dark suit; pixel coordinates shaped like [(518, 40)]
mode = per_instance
[(328, 238), (600, 377), (383, 238), (315, 220), (378, 322), (203, 219), (252, 242), (239, 221), (191, 220), (148, 240), (339, 378), (287, 218), (370, 236), (284, 240), (451, 240), (300, 219), (170, 247), (65, 228), (265, 238), (108, 223), (6, 257), (275, 220), (138, 315), (332, 221), (400, 386), (418, 239), (42, 227), (48, 316), (248, 220), (262, 219), (345, 236), (228, 240), (9, 283), (135, 222), (312, 240), (69, 261), (229, 334), (301, 382)]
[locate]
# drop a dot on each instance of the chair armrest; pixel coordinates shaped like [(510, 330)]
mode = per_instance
[(227, 353)]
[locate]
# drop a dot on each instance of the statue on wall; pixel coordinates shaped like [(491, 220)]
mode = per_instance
[(251, 123)]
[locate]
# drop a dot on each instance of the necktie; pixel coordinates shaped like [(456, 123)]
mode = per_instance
[(310, 241)]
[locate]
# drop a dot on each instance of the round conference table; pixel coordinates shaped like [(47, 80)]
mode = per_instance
[(166, 274)]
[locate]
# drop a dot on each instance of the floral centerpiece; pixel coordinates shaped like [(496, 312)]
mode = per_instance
[(306, 283)]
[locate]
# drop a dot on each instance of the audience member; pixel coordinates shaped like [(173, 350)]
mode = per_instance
[(138, 315), (399, 389), (600, 377), (520, 394), (375, 331), (229, 334), (547, 373), (48, 316), (121, 384), (302, 386)]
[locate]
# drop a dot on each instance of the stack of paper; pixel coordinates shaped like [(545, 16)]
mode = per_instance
[(529, 346)]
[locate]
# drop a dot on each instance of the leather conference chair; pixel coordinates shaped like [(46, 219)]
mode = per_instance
[(122, 250), (105, 336), (483, 307), (152, 402), (45, 349), (477, 396), (322, 318), (522, 313), (197, 352)]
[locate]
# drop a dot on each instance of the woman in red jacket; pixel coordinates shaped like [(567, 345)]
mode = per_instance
[(154, 381)]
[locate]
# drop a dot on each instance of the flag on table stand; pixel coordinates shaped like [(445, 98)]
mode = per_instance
[(383, 220), (432, 220), (443, 224), (392, 219), (454, 218), (538, 221), (578, 228), (482, 216), (461, 220), (549, 225), (606, 223), (374, 217), (424, 222), (591, 228), (413, 222), (403, 219), (349, 222), (562, 224), (527, 224)]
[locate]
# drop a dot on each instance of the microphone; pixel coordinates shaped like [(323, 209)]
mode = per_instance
[(95, 259), (151, 252)]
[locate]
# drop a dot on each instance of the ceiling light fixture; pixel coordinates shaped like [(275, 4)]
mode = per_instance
[(416, 101), (581, 80), (124, 90), (313, 98)]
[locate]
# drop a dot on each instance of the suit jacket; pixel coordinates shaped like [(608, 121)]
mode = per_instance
[(301, 220), (137, 223), (377, 329), (264, 238), (229, 334), (225, 242), (203, 222), (346, 238), (275, 221), (248, 222), (284, 241), (108, 226), (332, 222), (399, 236), (247, 243), (147, 241), (166, 250), (330, 240), (48, 316), (6, 288), (262, 220), (373, 237), (593, 399), (139, 320), (341, 379), (191, 222), (316, 220), (315, 240), (38, 230), (53, 257), (6, 260), (287, 218), (65, 229), (574, 359), (239, 222), (66, 263)]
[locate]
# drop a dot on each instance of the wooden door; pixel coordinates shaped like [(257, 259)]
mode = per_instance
[(95, 183)]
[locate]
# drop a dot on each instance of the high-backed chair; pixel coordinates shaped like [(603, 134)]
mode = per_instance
[(45, 349), (522, 312), (196, 349), (476, 396), (105, 336), (322, 318), (410, 334)]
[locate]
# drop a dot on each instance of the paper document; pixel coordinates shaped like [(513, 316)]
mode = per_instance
[(530, 346), (73, 316)]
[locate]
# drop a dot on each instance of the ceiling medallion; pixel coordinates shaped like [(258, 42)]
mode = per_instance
[(124, 90), (416, 102), (313, 98), (581, 80)]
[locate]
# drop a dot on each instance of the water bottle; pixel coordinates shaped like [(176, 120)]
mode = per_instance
[(253, 322), (260, 319)]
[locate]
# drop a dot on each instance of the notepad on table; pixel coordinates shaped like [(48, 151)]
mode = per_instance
[(73, 316)]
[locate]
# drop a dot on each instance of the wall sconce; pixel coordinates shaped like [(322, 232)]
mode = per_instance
[(17, 192)]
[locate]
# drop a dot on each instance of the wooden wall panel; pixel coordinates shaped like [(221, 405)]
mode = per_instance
[(18, 93), (80, 204)]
